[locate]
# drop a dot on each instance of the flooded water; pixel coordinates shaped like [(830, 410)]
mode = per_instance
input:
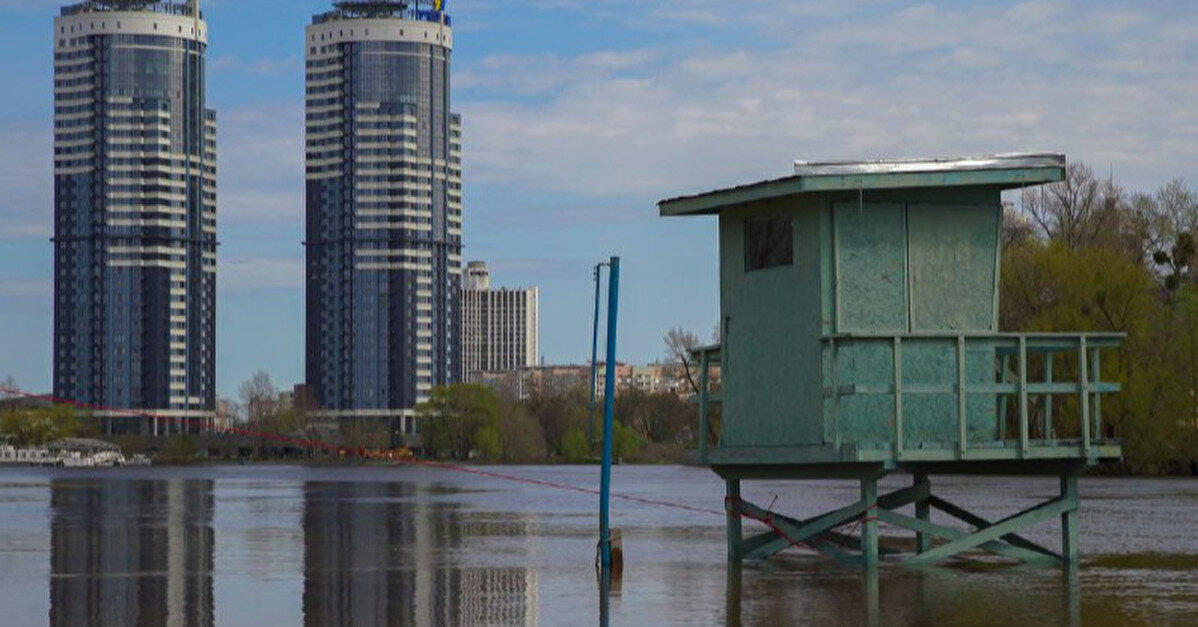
[(395, 546)]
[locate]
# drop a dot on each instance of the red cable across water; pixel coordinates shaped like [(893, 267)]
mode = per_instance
[(328, 446)]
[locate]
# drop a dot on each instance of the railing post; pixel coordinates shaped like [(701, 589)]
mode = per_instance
[(1000, 430), (898, 398), (962, 417), (1023, 427), (835, 395), (1083, 386), (1049, 432), (704, 369), (1096, 377)]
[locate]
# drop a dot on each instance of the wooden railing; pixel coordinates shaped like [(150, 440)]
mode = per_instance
[(1012, 354), (1082, 349)]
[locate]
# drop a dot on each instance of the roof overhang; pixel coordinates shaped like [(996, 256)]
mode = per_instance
[(1003, 171)]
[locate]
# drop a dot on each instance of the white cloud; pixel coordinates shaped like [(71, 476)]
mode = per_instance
[(260, 155), (1108, 86)]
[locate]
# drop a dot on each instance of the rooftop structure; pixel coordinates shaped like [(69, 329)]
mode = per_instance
[(859, 307), (415, 10), (188, 8)]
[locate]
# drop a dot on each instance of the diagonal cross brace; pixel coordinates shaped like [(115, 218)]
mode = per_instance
[(817, 531), (994, 546), (1030, 516), (794, 531), (966, 516)]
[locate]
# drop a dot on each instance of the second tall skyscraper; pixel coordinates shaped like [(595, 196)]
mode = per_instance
[(384, 210)]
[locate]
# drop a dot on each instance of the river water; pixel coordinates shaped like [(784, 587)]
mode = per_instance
[(273, 545)]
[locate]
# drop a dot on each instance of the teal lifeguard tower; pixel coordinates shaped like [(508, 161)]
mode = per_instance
[(859, 325)]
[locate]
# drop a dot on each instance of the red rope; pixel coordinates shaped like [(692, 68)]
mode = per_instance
[(767, 520), (363, 452)]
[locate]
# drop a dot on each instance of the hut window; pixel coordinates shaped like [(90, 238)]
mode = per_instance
[(769, 242)]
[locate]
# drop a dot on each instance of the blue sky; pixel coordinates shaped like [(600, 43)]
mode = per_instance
[(580, 115)]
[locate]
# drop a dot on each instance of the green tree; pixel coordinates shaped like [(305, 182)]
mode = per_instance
[(624, 442), (520, 435), (178, 449), (1048, 286), (452, 418), (559, 412), (575, 447), (486, 443), (38, 426)]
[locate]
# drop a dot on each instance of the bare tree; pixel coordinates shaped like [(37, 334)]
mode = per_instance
[(679, 344), (8, 383), (1066, 211), (259, 397), (1016, 227)]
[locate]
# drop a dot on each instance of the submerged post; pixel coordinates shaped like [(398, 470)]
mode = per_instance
[(609, 403)]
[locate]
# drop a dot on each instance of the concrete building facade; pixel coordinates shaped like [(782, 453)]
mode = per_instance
[(384, 211), (134, 215), (500, 327)]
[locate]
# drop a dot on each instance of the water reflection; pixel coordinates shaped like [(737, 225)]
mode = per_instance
[(383, 554), (811, 590), (131, 552)]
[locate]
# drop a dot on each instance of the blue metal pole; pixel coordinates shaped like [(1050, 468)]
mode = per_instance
[(594, 362), (609, 404)]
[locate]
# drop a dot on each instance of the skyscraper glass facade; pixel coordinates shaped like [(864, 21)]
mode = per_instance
[(384, 211), (134, 215)]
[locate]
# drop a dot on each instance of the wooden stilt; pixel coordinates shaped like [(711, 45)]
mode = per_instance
[(869, 524), (923, 512), (732, 506), (1069, 532)]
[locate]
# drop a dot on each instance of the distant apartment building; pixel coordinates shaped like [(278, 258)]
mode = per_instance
[(384, 211), (134, 215), (500, 327), (523, 383)]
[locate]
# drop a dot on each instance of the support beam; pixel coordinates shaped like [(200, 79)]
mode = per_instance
[(869, 524), (704, 384), (923, 512), (791, 531), (956, 535), (968, 517), (1027, 517), (732, 505), (821, 532), (1069, 532)]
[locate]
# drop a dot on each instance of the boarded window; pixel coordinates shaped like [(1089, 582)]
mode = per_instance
[(769, 242)]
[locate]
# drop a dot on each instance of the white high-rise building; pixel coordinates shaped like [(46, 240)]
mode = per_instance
[(135, 215), (384, 210), (500, 327)]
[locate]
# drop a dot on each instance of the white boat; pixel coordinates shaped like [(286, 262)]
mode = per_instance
[(68, 453), (13, 456)]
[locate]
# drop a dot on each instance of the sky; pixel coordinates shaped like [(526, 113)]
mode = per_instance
[(579, 115)]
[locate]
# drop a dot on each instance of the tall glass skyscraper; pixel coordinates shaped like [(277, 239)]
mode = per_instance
[(384, 210), (134, 214)]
